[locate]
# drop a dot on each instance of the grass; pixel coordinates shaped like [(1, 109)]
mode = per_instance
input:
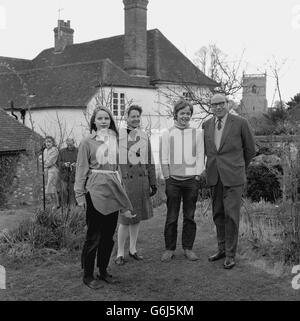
[(55, 274), (269, 231)]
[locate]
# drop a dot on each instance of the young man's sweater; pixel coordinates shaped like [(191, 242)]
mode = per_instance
[(182, 152)]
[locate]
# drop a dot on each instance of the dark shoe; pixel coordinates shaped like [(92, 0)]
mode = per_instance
[(120, 260), (229, 263), (136, 256), (190, 255), (167, 256), (219, 255), (108, 278), (92, 283)]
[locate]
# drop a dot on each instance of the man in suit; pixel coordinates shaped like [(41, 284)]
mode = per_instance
[(229, 148)]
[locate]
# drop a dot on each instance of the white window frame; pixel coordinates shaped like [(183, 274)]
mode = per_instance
[(118, 104), (187, 96)]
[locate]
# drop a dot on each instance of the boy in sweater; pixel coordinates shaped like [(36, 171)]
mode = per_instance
[(182, 162)]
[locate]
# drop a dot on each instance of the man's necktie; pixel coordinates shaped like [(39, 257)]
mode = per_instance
[(219, 124)]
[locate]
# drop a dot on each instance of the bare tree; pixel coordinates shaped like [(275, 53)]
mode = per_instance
[(216, 65), (275, 71), (63, 132), (213, 62)]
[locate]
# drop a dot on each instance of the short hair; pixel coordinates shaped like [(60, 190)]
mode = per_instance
[(52, 140), (134, 107), (180, 104)]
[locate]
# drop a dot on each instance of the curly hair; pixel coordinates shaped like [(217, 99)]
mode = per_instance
[(52, 140)]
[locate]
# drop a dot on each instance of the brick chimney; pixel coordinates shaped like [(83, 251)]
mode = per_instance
[(135, 41), (63, 35)]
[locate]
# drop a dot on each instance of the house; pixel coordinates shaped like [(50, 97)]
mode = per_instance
[(56, 92), (20, 171)]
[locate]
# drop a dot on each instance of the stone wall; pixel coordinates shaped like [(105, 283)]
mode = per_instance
[(26, 186)]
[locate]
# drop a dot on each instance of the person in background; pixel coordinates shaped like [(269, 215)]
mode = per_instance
[(229, 148), (139, 177), (51, 171), (67, 164), (98, 189), (182, 162)]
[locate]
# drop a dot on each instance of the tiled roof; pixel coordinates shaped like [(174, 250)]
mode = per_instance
[(67, 85), (14, 136), (69, 78), (18, 64)]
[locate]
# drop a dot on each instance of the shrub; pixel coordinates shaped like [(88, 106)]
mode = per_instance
[(263, 182), (49, 229), (8, 165), (273, 230)]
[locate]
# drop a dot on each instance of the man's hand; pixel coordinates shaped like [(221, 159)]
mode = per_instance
[(128, 214)]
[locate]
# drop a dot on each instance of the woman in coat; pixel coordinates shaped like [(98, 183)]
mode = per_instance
[(51, 170), (99, 190), (138, 174)]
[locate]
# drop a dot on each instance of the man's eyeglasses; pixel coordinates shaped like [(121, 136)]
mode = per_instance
[(222, 104)]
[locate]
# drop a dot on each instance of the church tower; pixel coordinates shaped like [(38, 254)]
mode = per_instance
[(254, 101)]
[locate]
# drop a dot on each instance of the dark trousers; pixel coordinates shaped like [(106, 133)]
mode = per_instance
[(99, 239), (187, 191), (226, 203), (67, 193)]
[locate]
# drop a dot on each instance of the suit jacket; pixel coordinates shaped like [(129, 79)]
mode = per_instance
[(237, 148)]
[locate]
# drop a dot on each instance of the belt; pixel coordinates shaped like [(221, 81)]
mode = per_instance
[(107, 172)]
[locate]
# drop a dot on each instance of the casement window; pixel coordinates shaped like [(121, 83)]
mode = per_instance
[(187, 96), (118, 104)]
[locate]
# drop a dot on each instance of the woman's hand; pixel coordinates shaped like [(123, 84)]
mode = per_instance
[(128, 214), (153, 190), (82, 204)]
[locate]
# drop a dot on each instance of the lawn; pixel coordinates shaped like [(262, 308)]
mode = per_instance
[(58, 276)]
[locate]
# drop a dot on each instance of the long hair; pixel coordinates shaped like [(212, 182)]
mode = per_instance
[(112, 125)]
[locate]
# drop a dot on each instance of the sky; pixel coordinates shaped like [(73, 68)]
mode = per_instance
[(267, 31)]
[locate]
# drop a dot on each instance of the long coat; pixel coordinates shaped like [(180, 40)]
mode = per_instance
[(137, 172), (51, 170)]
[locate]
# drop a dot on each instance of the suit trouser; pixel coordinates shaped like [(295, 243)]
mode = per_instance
[(226, 203), (187, 190), (99, 239), (67, 193)]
